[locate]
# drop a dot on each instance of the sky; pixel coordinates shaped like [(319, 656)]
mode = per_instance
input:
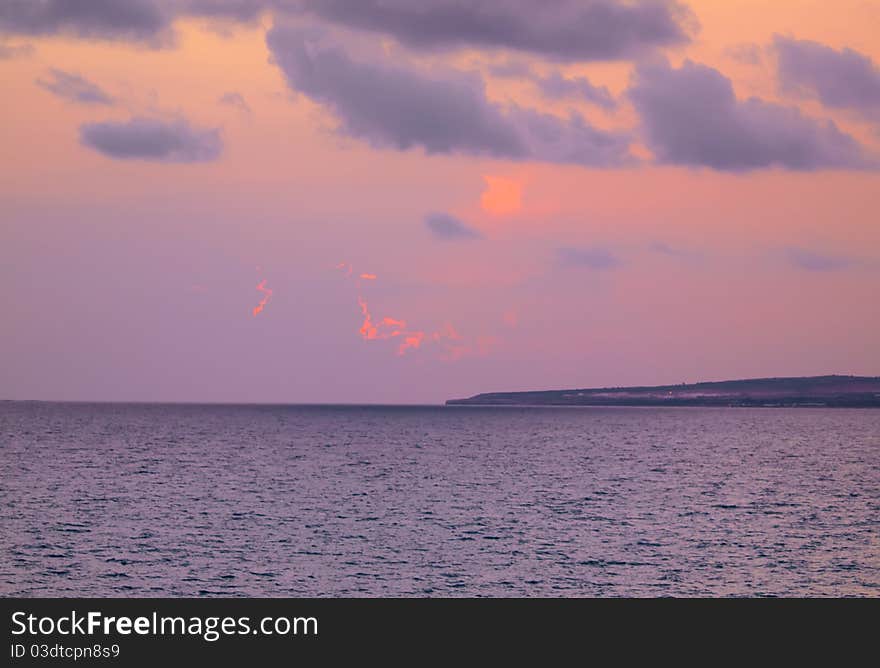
[(385, 201)]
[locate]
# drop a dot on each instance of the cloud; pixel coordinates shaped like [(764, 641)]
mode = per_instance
[(443, 226), (389, 328), (233, 99), (451, 344), (556, 86), (395, 107), (843, 79), (590, 258), (9, 51), (510, 69), (691, 116), (139, 20), (392, 106), (142, 21), (574, 30), (678, 253), (74, 88), (570, 141), (672, 251), (155, 140), (234, 10), (812, 261), (267, 295), (664, 248), (746, 53)]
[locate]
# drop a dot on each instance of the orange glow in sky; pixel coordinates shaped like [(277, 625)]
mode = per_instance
[(502, 196), (489, 198), (267, 294), (452, 344)]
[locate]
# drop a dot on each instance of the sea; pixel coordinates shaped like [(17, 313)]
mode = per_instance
[(138, 500)]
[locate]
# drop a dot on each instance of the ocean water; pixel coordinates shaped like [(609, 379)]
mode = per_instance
[(189, 500)]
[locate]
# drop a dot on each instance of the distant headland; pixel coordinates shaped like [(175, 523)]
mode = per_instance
[(834, 391)]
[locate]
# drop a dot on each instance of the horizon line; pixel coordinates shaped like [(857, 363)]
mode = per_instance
[(171, 402)]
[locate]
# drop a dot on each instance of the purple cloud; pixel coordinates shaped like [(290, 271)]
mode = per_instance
[(392, 106), (233, 10), (559, 29), (510, 69), (234, 99), (445, 112), (691, 116), (144, 21), (154, 140), (74, 88), (140, 20), (597, 259), (842, 79), (664, 248), (446, 227), (556, 86), (812, 261)]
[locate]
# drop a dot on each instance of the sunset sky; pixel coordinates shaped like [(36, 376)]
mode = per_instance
[(403, 201)]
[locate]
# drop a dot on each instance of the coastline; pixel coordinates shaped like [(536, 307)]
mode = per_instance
[(799, 392)]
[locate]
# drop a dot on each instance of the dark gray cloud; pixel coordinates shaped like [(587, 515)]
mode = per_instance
[(812, 261), (152, 139), (559, 29), (235, 99), (139, 20), (599, 259), (842, 79), (555, 86), (691, 116), (442, 112), (446, 227), (75, 88)]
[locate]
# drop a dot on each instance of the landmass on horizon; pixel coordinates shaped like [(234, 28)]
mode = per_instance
[(834, 391)]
